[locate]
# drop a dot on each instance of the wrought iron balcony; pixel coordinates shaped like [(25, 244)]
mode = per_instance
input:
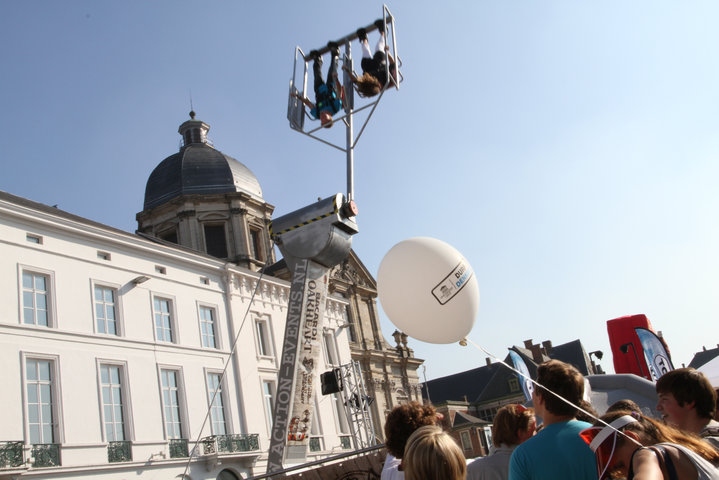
[(178, 448), (46, 455), (119, 452), (244, 442), (11, 454)]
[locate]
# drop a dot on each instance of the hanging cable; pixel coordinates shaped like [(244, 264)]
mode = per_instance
[(545, 389), (224, 370)]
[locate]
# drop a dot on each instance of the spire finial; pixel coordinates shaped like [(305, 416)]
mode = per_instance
[(192, 114)]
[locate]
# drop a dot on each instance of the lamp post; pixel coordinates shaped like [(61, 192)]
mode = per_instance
[(625, 349), (426, 386)]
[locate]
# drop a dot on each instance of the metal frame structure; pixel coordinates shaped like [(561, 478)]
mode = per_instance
[(357, 404), (312, 240), (296, 112)]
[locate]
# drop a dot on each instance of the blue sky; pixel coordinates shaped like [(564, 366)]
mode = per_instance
[(567, 148)]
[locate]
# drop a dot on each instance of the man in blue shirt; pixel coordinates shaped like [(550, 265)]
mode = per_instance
[(328, 94), (557, 451)]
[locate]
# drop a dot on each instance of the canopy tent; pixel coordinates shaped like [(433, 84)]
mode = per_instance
[(607, 389), (711, 370)]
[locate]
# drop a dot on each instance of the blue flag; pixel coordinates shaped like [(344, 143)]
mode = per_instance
[(655, 353), (524, 379)]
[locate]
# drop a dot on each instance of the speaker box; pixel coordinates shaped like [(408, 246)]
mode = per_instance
[(331, 381)]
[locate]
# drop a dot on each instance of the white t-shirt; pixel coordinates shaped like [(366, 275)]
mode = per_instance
[(391, 471)]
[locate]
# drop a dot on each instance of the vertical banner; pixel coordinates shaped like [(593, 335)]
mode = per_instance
[(293, 410), (655, 353), (524, 379)]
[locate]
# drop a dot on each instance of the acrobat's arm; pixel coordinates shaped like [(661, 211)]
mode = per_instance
[(353, 77), (305, 100)]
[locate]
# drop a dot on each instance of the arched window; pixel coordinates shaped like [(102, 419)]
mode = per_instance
[(227, 475)]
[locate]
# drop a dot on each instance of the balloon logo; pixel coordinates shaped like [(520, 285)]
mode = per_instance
[(428, 290)]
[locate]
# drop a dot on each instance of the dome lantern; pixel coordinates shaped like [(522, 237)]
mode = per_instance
[(193, 131)]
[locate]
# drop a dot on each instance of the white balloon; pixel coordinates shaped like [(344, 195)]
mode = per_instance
[(428, 290)]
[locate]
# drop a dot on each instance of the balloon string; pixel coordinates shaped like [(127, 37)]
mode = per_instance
[(464, 342)]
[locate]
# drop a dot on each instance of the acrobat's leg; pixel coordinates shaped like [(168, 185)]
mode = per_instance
[(381, 43), (332, 72), (317, 70), (362, 35)]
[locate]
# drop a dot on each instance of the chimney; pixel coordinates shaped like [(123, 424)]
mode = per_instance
[(489, 362), (547, 344), (537, 353), (528, 344)]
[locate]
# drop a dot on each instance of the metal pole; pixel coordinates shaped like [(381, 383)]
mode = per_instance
[(426, 386), (350, 135)]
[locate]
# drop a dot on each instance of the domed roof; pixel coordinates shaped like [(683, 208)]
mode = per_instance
[(198, 169)]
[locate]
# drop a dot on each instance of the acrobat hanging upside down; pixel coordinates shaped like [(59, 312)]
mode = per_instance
[(374, 66), (328, 95)]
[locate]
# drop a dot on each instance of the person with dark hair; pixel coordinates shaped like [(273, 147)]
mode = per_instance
[(432, 454), (374, 66), (512, 425), (556, 451), (328, 94), (401, 422), (632, 446), (687, 400), (625, 404)]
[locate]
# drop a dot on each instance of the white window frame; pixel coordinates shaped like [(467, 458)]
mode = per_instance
[(264, 349), (181, 400), (174, 333), (341, 421), (316, 430), (268, 401), (215, 324), (488, 436), (51, 307), (126, 399), (329, 347), (119, 326), (224, 397), (466, 440), (55, 389)]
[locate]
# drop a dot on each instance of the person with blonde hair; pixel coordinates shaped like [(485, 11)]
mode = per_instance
[(432, 454), (638, 447), (512, 425)]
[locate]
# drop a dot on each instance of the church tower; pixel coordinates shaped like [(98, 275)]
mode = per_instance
[(202, 199)]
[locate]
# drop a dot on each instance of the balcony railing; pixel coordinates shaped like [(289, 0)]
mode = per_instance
[(245, 442), (178, 448), (46, 455), (11, 454), (119, 452)]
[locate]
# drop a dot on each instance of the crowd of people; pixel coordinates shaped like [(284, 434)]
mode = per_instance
[(548, 441)]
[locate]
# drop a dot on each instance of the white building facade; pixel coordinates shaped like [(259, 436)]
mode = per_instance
[(156, 353), (112, 348)]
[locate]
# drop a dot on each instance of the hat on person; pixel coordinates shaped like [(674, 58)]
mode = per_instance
[(603, 442)]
